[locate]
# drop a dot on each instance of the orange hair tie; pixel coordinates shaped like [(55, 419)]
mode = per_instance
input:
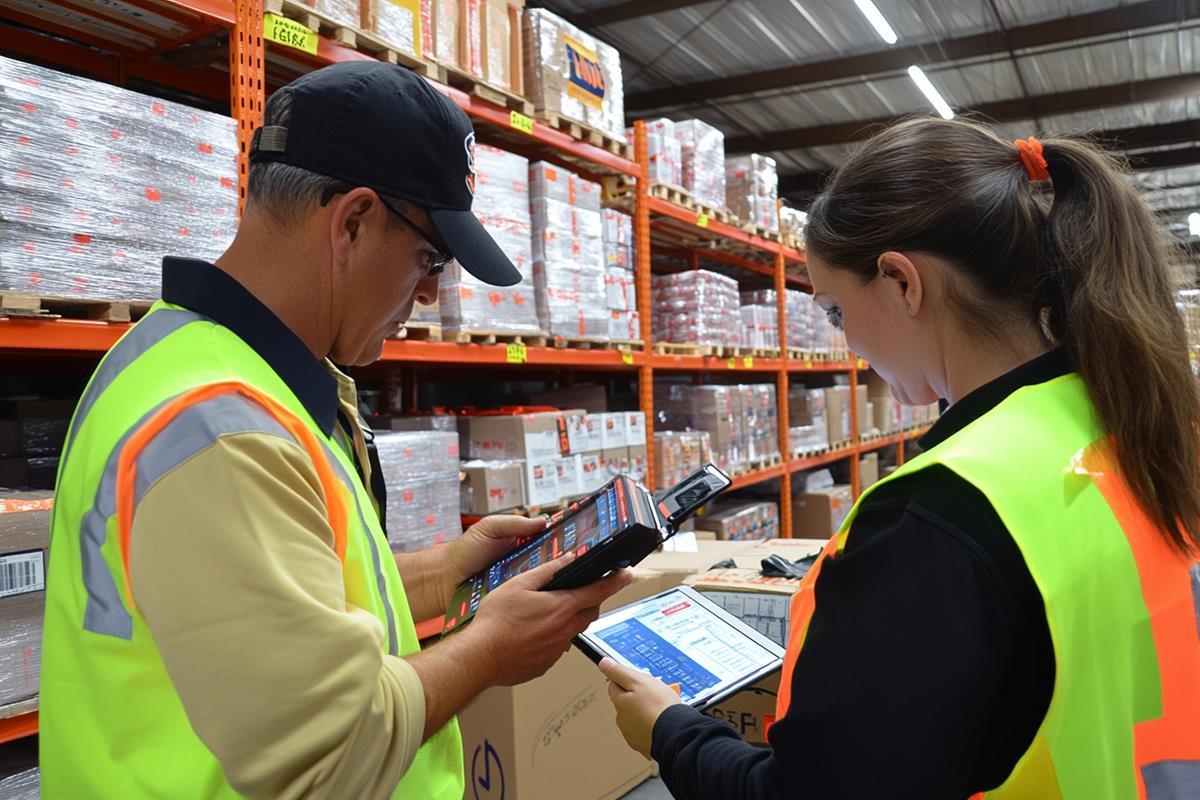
[(1031, 156)]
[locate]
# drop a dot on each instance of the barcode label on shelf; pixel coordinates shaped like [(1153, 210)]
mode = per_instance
[(516, 353), (22, 572), (702, 220), (520, 122), (626, 357), (289, 33), (748, 362)]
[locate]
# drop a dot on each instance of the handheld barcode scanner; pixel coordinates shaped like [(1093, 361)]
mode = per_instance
[(615, 527)]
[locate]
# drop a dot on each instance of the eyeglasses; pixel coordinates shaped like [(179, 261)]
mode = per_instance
[(436, 265)]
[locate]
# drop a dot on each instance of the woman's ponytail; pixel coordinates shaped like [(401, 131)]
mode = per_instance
[(1109, 292)]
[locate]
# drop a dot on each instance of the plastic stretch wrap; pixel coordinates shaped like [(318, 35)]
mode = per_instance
[(792, 222), (760, 421), (696, 307), (342, 12), (760, 327), (421, 472), (702, 151), (664, 152), (395, 22), (568, 253), (742, 521), (498, 67), (502, 205), (97, 183), (617, 236), (20, 643), (808, 324), (570, 73), (752, 188), (741, 421), (446, 20), (26, 785), (678, 454)]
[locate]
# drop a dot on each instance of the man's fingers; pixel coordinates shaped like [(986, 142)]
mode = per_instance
[(510, 526), (587, 617), (539, 576), (597, 592)]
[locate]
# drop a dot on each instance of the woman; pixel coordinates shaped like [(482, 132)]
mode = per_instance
[(1015, 612)]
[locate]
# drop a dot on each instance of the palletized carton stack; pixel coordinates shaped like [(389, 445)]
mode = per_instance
[(24, 539), (760, 327), (792, 222), (420, 469), (568, 253), (799, 309), (752, 189), (572, 74), (502, 205), (809, 431), (624, 322), (397, 23), (664, 152), (760, 419), (702, 149), (735, 521), (341, 12), (678, 454), (97, 183), (696, 307)]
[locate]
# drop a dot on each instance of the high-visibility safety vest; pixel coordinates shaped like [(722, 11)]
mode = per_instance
[(1123, 608), (112, 725)]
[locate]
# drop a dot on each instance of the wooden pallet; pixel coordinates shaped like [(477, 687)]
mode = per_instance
[(672, 194), (810, 452), (422, 332), (495, 337), (624, 345), (24, 304), (761, 231), (802, 354), (584, 133), (477, 87), (353, 37), (672, 349)]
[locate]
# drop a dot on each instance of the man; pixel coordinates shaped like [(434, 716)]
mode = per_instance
[(223, 614)]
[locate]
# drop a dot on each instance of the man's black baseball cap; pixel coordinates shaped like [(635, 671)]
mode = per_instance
[(384, 127)]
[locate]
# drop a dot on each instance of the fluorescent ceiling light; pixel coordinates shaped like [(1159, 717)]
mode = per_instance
[(1194, 223), (922, 81), (875, 17)]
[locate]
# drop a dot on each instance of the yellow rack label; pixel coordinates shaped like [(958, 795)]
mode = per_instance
[(731, 363), (808, 363), (860, 364), (702, 220), (748, 362), (516, 353), (520, 122), (289, 33), (626, 357)]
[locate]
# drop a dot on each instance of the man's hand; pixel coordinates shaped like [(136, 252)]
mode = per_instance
[(639, 699), (525, 630), (482, 545)]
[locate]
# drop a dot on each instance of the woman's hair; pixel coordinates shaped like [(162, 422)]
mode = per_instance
[(1088, 266)]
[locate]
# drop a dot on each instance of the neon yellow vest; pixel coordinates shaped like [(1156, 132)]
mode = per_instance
[(1123, 610), (111, 723)]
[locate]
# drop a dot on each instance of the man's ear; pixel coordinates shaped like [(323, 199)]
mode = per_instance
[(904, 282), (350, 214)]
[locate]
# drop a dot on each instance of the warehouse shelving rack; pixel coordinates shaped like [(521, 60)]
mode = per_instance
[(126, 43)]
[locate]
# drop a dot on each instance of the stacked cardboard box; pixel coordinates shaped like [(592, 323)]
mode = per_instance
[(341, 12), (760, 327), (740, 420), (572, 74), (664, 152), (420, 469), (696, 307), (502, 205), (97, 183), (734, 521), (792, 222), (752, 189), (24, 539), (397, 23), (809, 431), (702, 148), (492, 486), (819, 505), (624, 322), (568, 253), (678, 454), (798, 310)]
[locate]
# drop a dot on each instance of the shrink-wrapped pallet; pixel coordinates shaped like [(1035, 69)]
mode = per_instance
[(573, 74), (702, 153), (664, 154), (760, 327), (340, 12), (568, 253), (98, 183), (618, 239), (752, 189), (501, 45), (420, 469), (696, 307), (502, 205), (396, 22)]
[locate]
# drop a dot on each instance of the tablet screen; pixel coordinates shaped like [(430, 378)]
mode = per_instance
[(680, 637)]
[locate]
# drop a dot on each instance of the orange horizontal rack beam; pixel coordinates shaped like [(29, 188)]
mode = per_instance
[(507, 355), (694, 228), (688, 363), (19, 726)]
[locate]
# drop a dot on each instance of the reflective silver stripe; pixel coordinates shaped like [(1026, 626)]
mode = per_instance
[(145, 334), (376, 562), (193, 430), (1195, 573), (1172, 780)]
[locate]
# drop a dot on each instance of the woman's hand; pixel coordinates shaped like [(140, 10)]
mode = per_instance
[(639, 699)]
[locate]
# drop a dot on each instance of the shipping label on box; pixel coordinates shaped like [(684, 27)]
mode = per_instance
[(612, 430), (635, 428), (541, 482)]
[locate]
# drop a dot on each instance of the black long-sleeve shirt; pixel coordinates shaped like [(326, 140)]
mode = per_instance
[(927, 667)]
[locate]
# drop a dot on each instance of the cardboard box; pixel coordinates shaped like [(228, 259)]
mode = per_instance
[(637, 461), (492, 486), (864, 418), (591, 473), (542, 481), (587, 397), (614, 461), (533, 740), (531, 437), (743, 521), (398, 24), (790, 549), (583, 432), (678, 565), (612, 430), (24, 537), (818, 514), (837, 414), (751, 711), (502, 45), (635, 428), (868, 470), (569, 483)]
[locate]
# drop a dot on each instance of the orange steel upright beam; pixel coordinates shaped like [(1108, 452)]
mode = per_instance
[(854, 428), (641, 238), (781, 399), (246, 83)]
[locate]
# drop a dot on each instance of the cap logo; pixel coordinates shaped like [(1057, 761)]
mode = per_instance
[(469, 146)]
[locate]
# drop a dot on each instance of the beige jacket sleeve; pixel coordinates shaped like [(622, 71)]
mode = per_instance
[(233, 569)]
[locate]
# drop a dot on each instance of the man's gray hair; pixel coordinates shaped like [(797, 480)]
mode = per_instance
[(283, 191)]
